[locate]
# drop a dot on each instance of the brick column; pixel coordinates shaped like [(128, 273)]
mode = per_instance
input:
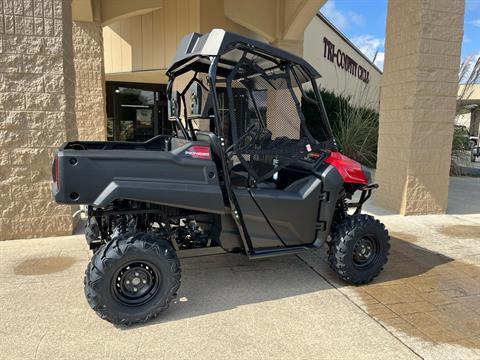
[(37, 113), (90, 80), (417, 104)]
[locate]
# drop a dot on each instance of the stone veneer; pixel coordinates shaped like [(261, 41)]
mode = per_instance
[(37, 109), (417, 104), (90, 80)]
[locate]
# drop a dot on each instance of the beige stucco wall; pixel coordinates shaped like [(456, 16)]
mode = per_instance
[(469, 93), (333, 76), (148, 42), (140, 48)]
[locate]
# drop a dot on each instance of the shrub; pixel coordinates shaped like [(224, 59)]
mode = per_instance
[(460, 151), (355, 128)]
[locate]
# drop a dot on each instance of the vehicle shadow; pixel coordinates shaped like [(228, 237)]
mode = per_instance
[(218, 283)]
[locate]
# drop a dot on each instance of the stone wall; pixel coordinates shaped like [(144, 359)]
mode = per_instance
[(90, 80), (417, 104), (37, 109)]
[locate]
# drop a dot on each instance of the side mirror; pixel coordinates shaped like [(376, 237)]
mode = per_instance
[(174, 106)]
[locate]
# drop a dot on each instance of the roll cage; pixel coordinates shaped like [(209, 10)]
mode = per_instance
[(223, 62)]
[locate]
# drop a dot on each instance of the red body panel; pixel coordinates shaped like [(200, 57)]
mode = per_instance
[(350, 170)]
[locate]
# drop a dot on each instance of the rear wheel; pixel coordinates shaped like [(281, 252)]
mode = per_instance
[(132, 279), (359, 249)]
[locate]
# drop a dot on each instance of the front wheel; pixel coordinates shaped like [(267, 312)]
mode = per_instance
[(132, 279), (359, 249)]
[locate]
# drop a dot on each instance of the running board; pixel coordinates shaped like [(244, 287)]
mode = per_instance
[(189, 253), (265, 253)]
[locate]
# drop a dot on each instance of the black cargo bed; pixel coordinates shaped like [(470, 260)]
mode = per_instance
[(160, 142)]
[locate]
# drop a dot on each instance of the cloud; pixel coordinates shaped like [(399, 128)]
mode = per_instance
[(380, 59), (475, 22), (334, 15), (371, 46), (341, 19), (357, 19)]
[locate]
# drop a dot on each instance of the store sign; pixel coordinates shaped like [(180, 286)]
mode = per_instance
[(343, 61)]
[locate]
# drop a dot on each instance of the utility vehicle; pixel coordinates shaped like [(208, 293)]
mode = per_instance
[(251, 167)]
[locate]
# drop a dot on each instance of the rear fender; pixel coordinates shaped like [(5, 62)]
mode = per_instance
[(199, 197)]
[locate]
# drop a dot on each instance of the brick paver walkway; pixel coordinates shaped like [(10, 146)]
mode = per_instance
[(428, 295)]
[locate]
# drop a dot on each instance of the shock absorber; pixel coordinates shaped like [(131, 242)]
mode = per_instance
[(119, 226), (344, 204), (122, 224), (341, 210)]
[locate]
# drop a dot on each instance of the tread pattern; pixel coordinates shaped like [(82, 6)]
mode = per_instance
[(109, 255), (341, 245)]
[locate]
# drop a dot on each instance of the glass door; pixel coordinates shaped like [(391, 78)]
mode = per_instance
[(135, 109), (136, 112)]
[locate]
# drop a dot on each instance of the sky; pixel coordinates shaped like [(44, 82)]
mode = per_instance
[(363, 22)]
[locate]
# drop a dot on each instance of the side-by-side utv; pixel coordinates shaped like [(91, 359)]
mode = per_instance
[(251, 167)]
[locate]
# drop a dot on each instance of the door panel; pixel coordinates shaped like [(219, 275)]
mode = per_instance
[(260, 232), (281, 218), (293, 212)]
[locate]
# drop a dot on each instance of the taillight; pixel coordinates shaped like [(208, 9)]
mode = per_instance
[(57, 180)]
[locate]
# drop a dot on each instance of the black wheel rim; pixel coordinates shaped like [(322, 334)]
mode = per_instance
[(136, 283), (365, 252)]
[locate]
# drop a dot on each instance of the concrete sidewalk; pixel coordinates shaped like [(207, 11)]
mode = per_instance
[(426, 304), (228, 307)]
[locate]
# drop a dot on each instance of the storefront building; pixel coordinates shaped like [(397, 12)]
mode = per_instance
[(344, 68), (469, 102), (95, 69)]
